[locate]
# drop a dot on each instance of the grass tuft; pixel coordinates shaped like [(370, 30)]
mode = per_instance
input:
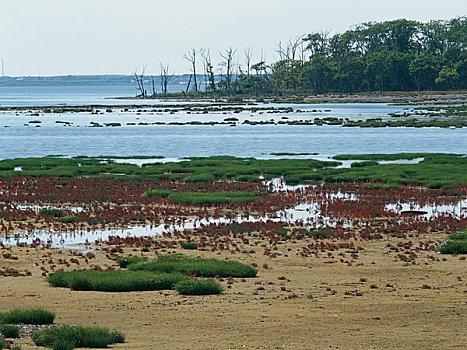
[(198, 287), (114, 281), (64, 337), (189, 245), (9, 330), (455, 244), (127, 260), (196, 267), (27, 316)]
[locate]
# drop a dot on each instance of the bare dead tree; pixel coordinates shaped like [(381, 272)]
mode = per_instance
[(165, 78), (228, 56), (294, 45), (153, 86), (190, 56), (248, 55), (210, 84), (140, 81)]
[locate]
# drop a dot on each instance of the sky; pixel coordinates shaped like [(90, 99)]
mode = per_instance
[(61, 37)]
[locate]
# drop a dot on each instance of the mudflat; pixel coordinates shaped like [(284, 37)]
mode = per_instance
[(374, 296)]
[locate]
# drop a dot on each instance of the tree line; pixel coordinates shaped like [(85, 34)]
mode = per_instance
[(398, 55)]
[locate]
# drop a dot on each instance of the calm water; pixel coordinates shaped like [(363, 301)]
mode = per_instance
[(18, 140), (241, 141)]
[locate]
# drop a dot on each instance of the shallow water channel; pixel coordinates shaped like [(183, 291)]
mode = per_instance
[(307, 214)]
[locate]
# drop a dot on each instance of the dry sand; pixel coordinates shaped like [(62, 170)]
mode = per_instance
[(325, 302)]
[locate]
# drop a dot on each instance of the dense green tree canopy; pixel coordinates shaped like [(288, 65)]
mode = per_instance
[(399, 55)]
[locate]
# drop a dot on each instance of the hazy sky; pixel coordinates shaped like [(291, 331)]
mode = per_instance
[(50, 37)]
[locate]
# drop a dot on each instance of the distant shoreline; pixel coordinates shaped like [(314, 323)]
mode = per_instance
[(404, 98)]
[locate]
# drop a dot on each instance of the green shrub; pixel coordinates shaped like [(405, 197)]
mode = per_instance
[(157, 193), (79, 336), (16, 347), (114, 281), (455, 244), (69, 220), (27, 316), (196, 266), (9, 330), (198, 287), (125, 261), (189, 245), (56, 213), (321, 233)]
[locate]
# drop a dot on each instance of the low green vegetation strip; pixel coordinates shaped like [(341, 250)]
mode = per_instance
[(164, 273), (70, 337), (434, 171), (455, 244), (196, 267), (27, 316), (202, 197), (384, 157), (115, 281)]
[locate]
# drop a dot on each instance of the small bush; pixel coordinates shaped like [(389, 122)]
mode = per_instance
[(79, 336), (56, 213), (196, 266), (157, 193), (189, 245), (69, 220), (198, 287), (16, 347), (455, 244), (27, 316), (125, 261), (9, 330), (321, 234)]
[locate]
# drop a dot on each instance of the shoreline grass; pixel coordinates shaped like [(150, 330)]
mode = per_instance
[(436, 170)]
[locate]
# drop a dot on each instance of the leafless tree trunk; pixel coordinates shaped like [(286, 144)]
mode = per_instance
[(248, 54), (153, 86), (165, 78), (209, 70), (140, 82), (190, 56), (228, 56)]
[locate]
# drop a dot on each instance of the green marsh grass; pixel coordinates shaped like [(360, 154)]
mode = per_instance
[(80, 336), (212, 197), (198, 287), (436, 170), (9, 330), (114, 281), (189, 245), (37, 316), (195, 266), (127, 260), (455, 244)]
